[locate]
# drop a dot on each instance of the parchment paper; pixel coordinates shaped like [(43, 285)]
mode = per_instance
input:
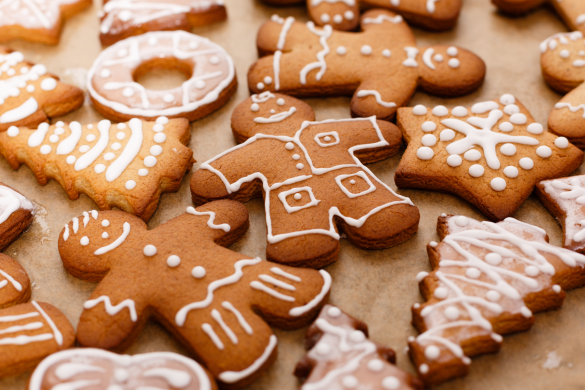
[(377, 287)]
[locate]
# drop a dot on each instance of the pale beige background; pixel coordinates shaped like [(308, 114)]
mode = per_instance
[(376, 286)]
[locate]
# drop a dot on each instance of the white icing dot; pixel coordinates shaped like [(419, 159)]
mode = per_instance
[(451, 313), (325, 18), (159, 138), (421, 275), (128, 92), (419, 109), (254, 107), (168, 98), (130, 184), (198, 272), (459, 111), (543, 151), (438, 58), (429, 126), (267, 80), (54, 138), (452, 51), (425, 153), (473, 273), (507, 99), (173, 261), (90, 138), (349, 382), (493, 295), (498, 184), (526, 163), (506, 127), (390, 383), (125, 15), (200, 84), (556, 288), (349, 15), (476, 170), (48, 84), (121, 135), (142, 172), (561, 142), (13, 131), (375, 365), (214, 60), (300, 166), (99, 168), (518, 119), (158, 128), (461, 221), (511, 109), (273, 111), (70, 159), (323, 349), (121, 126), (105, 73), (105, 223), (46, 149), (280, 102), (122, 53), (432, 352), (152, 41), (441, 293), (116, 146), (440, 111), (338, 19), (366, 50), (423, 368), (433, 243), (447, 135), (357, 336), (60, 124), (30, 88), (454, 63), (493, 258), (150, 161), (334, 312), (565, 53), (295, 156), (472, 155), (84, 241), (341, 50), (508, 149), (162, 120), (327, 138), (429, 140), (298, 196), (386, 53), (531, 271), (526, 312), (511, 172), (105, 235), (109, 156), (260, 86), (289, 146), (59, 131), (156, 150), (150, 250)]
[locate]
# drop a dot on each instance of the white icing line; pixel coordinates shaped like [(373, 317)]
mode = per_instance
[(56, 332), (111, 309), (365, 92), (224, 226), (229, 333), (116, 243), (130, 151), (243, 323), (261, 287), (208, 329), (235, 376), (298, 311)]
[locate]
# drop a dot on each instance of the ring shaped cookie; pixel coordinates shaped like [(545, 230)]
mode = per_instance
[(118, 96)]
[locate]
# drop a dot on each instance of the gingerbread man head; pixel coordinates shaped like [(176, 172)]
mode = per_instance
[(217, 302), (381, 66)]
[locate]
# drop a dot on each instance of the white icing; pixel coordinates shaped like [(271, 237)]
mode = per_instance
[(235, 376), (276, 117), (129, 153), (224, 226), (111, 309), (116, 243), (376, 94), (241, 320), (320, 64), (11, 201)]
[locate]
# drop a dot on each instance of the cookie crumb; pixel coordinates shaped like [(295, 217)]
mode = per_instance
[(553, 361)]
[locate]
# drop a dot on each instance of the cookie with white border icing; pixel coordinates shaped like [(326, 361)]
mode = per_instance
[(16, 215), (342, 357), (382, 66), (208, 67), (29, 332), (38, 20), (492, 154), (125, 18), (96, 367), (29, 95), (217, 302), (435, 15), (571, 11), (312, 177), (487, 280), (125, 165), (14, 283)]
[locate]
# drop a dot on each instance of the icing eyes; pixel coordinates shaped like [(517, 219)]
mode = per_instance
[(150, 250), (198, 272), (84, 241), (173, 261)]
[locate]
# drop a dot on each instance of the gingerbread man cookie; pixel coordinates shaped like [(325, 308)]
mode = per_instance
[(487, 280), (128, 165), (90, 367), (313, 179), (16, 215), (381, 66), (492, 154), (125, 18), (436, 15), (29, 95), (209, 68), (565, 198), (571, 11), (341, 357), (37, 20), (216, 301), (562, 61)]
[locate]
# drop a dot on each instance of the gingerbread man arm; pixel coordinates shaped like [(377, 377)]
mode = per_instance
[(342, 15), (431, 15)]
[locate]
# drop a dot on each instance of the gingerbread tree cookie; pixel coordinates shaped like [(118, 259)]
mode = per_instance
[(492, 154), (96, 367), (313, 179), (124, 18), (128, 165), (487, 280), (37, 20), (571, 11), (16, 215), (217, 302), (29, 95), (436, 15), (381, 66), (341, 357)]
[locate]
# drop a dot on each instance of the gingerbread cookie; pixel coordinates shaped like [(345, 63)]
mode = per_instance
[(37, 20), (125, 18), (16, 215), (313, 179), (213, 300), (128, 165), (436, 15), (562, 60), (571, 11), (381, 66), (95, 367), (487, 280), (30, 332), (210, 69), (491, 155), (565, 198), (342, 357), (29, 95), (14, 283)]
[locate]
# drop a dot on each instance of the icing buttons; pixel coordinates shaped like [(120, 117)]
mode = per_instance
[(476, 170), (198, 272), (498, 184), (526, 163), (419, 109), (150, 250), (440, 111), (543, 151), (454, 160), (425, 153), (429, 126), (173, 261)]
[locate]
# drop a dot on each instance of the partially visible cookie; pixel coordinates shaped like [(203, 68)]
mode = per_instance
[(571, 11), (30, 332), (37, 20), (124, 18), (342, 357), (128, 165), (96, 367), (16, 215), (382, 66), (29, 95), (14, 283)]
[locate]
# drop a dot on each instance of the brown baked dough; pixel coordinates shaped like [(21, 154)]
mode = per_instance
[(571, 11)]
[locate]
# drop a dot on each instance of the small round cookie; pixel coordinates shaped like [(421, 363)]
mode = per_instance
[(116, 94)]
